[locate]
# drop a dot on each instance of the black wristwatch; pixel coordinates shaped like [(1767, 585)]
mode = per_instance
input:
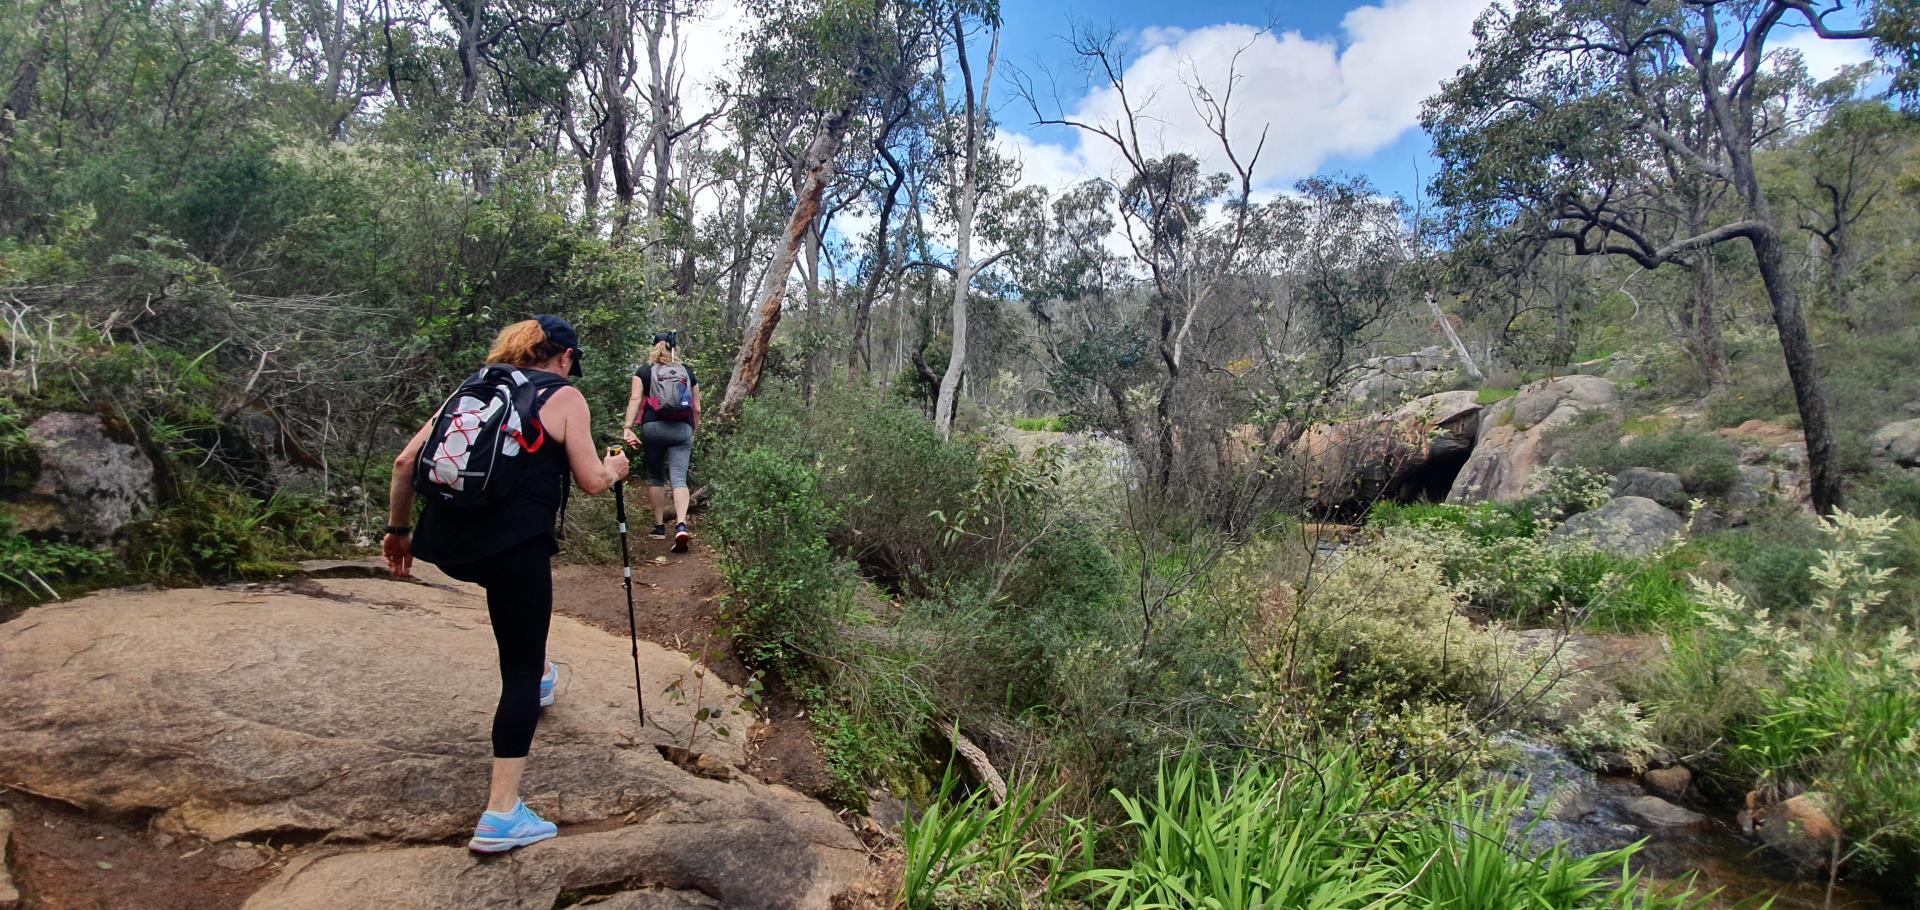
[(400, 530)]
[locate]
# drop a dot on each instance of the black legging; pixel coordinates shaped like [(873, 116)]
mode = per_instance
[(519, 586)]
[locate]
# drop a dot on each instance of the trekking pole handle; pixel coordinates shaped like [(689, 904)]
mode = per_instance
[(619, 494)]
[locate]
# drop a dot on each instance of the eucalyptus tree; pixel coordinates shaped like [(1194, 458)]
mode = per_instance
[(1188, 230), (1561, 125), (1837, 171), (822, 59), (972, 130)]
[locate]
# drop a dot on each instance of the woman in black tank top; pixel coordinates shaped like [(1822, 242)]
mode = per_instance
[(508, 550)]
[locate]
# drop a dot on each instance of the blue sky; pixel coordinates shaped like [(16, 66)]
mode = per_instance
[(1334, 85), (1337, 84), (1034, 33), (1335, 89)]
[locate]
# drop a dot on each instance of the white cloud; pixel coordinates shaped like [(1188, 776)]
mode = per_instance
[(1824, 58), (1316, 97)]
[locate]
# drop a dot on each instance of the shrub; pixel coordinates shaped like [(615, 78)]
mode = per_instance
[(788, 589), (1502, 560), (1767, 562), (1559, 491), (1838, 705), (1707, 464), (213, 531), (1485, 522)]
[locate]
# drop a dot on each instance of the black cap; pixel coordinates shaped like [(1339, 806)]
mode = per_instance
[(671, 338), (559, 331)]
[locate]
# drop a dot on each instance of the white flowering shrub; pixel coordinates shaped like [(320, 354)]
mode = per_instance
[(1560, 490), (1838, 708), (1611, 725)]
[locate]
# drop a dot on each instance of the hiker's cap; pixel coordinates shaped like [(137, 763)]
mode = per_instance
[(671, 338), (559, 331)]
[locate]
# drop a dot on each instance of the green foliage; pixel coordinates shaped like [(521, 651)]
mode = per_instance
[(1502, 558), (788, 588), (34, 569), (991, 852), (1040, 424), (1829, 695), (1766, 562), (218, 532), (1337, 834), (1707, 465), (1494, 396)]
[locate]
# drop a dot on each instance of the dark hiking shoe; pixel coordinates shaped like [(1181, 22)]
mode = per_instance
[(659, 532), (680, 537)]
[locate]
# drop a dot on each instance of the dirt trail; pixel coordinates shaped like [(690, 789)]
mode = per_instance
[(677, 602)]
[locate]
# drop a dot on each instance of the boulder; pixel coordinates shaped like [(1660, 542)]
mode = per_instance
[(1660, 486), (357, 710), (89, 485), (1668, 783), (1896, 445), (1628, 525), (1800, 829), (1507, 452), (1654, 812), (1359, 462)]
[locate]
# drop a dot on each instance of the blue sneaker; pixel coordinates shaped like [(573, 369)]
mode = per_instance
[(499, 832), (547, 683)]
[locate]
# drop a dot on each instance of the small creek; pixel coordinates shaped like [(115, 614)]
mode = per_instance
[(1586, 813)]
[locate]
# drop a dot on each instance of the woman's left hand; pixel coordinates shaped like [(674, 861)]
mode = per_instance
[(398, 549), (632, 438)]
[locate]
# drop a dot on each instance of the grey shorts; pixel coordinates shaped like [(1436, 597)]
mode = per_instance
[(666, 448)]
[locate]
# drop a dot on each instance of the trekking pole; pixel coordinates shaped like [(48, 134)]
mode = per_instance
[(626, 579)]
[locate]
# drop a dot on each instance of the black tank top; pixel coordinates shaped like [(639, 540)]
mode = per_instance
[(445, 536)]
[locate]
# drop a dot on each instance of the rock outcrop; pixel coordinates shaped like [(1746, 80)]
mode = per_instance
[(1508, 451), (356, 710), (1359, 462), (1628, 525), (1773, 466), (1896, 445), (1395, 375), (88, 484)]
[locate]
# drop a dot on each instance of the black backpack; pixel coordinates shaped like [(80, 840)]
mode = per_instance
[(477, 450)]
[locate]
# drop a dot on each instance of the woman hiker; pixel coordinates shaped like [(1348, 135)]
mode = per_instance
[(665, 400), (507, 549)]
